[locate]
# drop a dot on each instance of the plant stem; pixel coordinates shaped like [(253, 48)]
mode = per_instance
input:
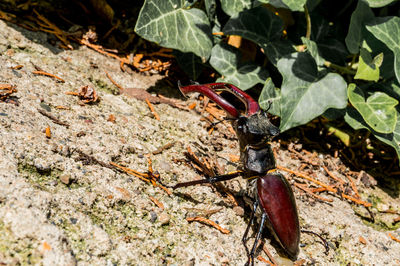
[(308, 19), (339, 68)]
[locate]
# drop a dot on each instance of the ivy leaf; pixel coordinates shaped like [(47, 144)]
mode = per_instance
[(226, 60), (270, 98), (379, 3), (368, 68), (190, 63), (278, 49), (211, 9), (378, 110), (168, 24), (361, 14), (304, 93), (233, 7), (312, 48), (387, 30), (391, 88), (333, 50), (295, 5), (257, 24), (356, 121)]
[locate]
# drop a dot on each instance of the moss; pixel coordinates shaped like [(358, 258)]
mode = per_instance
[(36, 176), (380, 221), (103, 86), (77, 243), (43, 178), (21, 250)]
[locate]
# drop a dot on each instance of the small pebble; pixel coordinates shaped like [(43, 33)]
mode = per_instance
[(153, 216), (73, 220), (45, 107), (164, 218), (65, 178), (239, 211), (53, 183)]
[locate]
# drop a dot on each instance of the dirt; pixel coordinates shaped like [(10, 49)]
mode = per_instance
[(57, 210)]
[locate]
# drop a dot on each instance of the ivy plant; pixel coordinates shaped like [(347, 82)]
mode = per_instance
[(323, 56)]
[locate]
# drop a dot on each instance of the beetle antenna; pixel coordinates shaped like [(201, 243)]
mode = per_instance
[(213, 124), (325, 243)]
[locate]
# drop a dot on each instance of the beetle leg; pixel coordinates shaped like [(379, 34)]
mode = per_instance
[(210, 180), (258, 237), (245, 235)]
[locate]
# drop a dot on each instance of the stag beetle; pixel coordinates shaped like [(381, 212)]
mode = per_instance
[(268, 190)]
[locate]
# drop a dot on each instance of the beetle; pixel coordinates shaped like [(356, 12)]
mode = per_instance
[(269, 191)]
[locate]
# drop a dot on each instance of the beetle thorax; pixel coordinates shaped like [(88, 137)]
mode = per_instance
[(253, 133)]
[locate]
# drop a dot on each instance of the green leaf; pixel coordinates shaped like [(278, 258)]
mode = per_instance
[(190, 63), (356, 121), (387, 30), (391, 88), (295, 5), (257, 24), (233, 7), (304, 93), (211, 9), (375, 47), (378, 110), (312, 48), (361, 14), (169, 25), (270, 98), (226, 60), (333, 50), (379, 3), (368, 68), (278, 49)]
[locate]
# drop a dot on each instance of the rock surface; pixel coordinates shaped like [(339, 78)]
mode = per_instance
[(57, 210)]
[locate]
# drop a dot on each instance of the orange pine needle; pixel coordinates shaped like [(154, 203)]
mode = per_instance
[(156, 202), (353, 186), (271, 258), (156, 116), (43, 73), (393, 237), (365, 204), (165, 189), (208, 222), (329, 188), (17, 67), (62, 107), (260, 258), (132, 172), (333, 176), (312, 193), (113, 82)]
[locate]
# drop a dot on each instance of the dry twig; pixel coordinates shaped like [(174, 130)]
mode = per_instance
[(54, 119)]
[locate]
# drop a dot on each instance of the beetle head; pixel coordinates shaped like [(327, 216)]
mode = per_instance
[(255, 129)]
